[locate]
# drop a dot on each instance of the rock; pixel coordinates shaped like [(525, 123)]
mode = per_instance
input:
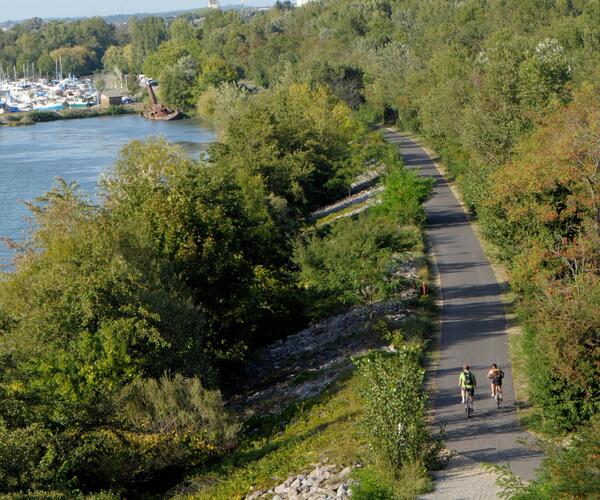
[(276, 497), (333, 484), (297, 483), (345, 472), (281, 489)]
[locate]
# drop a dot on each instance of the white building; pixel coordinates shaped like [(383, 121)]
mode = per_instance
[(213, 4), (300, 3)]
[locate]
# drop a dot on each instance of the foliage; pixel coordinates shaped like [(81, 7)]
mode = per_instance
[(568, 471), (178, 405), (395, 407), (80, 44), (543, 214), (146, 36), (352, 262), (221, 103), (165, 424), (379, 482), (299, 141), (403, 195)]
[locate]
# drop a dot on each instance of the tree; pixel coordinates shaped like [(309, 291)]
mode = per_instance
[(146, 36), (177, 84), (352, 262), (78, 60)]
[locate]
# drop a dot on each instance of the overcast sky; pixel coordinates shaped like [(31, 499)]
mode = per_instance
[(24, 9)]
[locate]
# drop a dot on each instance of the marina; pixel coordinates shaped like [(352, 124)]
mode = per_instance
[(30, 94)]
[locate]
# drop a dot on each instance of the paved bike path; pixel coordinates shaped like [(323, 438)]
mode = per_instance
[(473, 330)]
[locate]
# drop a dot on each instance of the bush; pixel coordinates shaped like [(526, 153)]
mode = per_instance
[(177, 421), (371, 487), (403, 196), (25, 458), (353, 261), (43, 116), (116, 110), (395, 408), (562, 351), (571, 471), (373, 483)]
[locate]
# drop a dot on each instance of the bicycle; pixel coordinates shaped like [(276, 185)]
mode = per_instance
[(498, 396), (469, 403)]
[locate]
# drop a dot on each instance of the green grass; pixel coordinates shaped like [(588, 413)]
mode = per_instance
[(377, 482), (326, 428)]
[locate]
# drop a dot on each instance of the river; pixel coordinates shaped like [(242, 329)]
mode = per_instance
[(31, 157)]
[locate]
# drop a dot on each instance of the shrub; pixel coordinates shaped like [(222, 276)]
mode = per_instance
[(562, 352), (25, 458), (371, 487), (43, 116), (373, 483), (352, 262), (395, 408), (116, 110), (403, 196), (571, 471), (176, 421)]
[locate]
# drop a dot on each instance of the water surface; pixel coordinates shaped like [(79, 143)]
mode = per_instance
[(31, 157)]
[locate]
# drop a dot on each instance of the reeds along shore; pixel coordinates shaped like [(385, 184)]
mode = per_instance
[(31, 117)]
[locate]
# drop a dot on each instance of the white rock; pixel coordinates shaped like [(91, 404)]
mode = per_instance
[(280, 489), (345, 472)]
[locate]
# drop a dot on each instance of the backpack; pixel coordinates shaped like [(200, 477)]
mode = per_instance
[(468, 378)]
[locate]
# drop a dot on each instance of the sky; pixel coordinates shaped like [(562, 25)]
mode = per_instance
[(24, 9)]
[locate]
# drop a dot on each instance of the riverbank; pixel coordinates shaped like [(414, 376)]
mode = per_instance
[(77, 151), (31, 117)]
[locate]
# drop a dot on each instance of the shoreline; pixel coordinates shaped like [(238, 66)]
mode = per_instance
[(32, 117)]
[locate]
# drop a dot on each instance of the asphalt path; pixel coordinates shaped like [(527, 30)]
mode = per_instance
[(473, 330)]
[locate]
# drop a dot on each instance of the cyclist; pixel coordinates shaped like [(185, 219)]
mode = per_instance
[(495, 375), (467, 384)]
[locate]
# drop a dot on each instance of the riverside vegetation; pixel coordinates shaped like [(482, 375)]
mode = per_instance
[(126, 324), (505, 90)]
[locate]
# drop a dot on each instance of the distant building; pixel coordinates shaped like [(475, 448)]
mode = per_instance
[(111, 98), (300, 3), (213, 4)]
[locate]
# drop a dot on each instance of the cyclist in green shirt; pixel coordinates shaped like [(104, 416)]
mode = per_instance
[(467, 384)]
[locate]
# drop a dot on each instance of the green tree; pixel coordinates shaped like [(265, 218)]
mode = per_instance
[(146, 36), (352, 263)]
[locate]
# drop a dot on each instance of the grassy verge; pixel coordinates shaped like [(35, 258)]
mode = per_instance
[(324, 429)]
